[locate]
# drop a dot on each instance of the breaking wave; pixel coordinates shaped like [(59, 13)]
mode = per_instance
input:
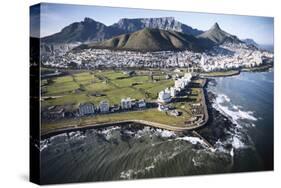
[(224, 105)]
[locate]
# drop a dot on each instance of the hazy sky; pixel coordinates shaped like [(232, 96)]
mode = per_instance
[(56, 16)]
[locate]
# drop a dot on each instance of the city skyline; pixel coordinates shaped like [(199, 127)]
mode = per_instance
[(55, 17)]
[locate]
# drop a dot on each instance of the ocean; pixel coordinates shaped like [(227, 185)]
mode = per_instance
[(240, 129)]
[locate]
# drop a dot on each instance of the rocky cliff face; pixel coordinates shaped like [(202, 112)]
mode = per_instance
[(165, 23), (218, 36)]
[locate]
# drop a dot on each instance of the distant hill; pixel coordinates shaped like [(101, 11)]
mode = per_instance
[(251, 42), (218, 36), (149, 39), (165, 23)]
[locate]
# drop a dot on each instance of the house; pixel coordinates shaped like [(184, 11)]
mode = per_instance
[(162, 108), (53, 112), (173, 91), (164, 96), (141, 103), (86, 109), (174, 113), (104, 106), (115, 108), (126, 103)]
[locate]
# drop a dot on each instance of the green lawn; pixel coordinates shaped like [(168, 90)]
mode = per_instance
[(152, 115), (113, 85), (222, 73), (80, 87)]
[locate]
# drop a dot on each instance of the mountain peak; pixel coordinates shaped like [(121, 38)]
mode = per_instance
[(87, 19), (219, 36), (215, 27)]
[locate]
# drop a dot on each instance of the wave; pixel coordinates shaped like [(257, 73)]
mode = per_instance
[(223, 104), (43, 145), (192, 140), (196, 140), (196, 163), (165, 133)]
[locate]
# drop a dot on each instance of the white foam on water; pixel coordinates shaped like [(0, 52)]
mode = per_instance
[(165, 133), (108, 132), (62, 135), (43, 145), (146, 130), (193, 140), (232, 152), (127, 174), (196, 163), (234, 112), (237, 143), (129, 132), (220, 147), (148, 168), (77, 135)]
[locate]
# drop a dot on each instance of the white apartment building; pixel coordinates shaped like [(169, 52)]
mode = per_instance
[(164, 96), (86, 109), (126, 103), (104, 106)]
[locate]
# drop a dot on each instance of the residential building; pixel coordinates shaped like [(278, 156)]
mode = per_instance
[(126, 103), (141, 103), (86, 109), (104, 106), (164, 96), (173, 91)]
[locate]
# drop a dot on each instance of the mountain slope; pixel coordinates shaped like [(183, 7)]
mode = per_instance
[(165, 23), (90, 30), (151, 40), (84, 31), (218, 36), (251, 42)]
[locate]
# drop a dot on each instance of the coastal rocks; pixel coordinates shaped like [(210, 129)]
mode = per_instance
[(217, 126)]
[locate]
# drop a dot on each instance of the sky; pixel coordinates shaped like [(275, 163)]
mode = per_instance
[(54, 17)]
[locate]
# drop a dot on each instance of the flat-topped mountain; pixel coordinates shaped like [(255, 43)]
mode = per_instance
[(165, 23), (149, 39), (218, 36)]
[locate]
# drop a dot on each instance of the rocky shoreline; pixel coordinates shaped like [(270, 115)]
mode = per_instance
[(218, 130)]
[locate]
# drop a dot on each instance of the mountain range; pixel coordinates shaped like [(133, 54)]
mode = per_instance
[(141, 34), (90, 30), (152, 39)]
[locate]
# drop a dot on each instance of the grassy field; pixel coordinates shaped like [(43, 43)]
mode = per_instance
[(222, 73), (149, 115), (111, 85), (259, 68), (79, 87)]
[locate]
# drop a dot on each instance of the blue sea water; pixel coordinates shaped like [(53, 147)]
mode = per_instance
[(247, 99)]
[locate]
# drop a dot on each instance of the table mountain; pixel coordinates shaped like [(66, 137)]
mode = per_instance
[(165, 23)]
